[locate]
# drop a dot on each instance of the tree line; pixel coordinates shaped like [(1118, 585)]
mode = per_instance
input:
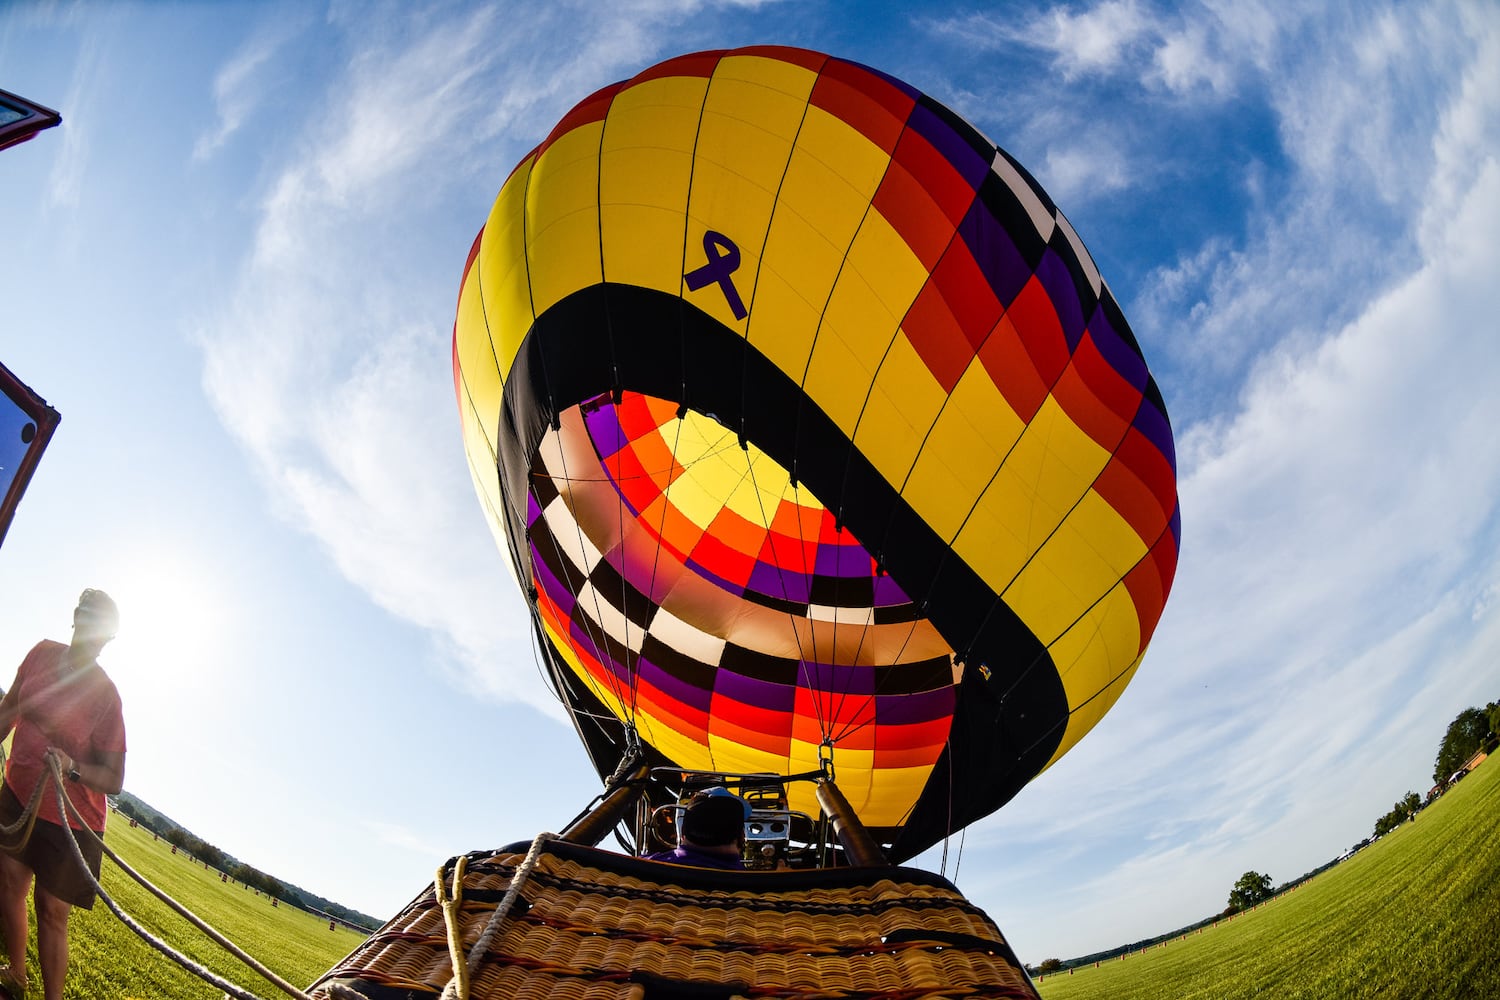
[(1472, 730), (207, 853)]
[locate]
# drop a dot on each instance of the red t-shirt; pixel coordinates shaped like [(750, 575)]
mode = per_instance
[(76, 710)]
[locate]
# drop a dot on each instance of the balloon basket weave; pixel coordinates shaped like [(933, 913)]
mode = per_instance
[(594, 924)]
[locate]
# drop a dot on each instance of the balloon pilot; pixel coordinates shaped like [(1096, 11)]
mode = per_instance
[(712, 831)]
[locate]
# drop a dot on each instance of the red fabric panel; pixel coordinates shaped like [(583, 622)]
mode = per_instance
[(967, 293), (911, 211), (592, 109), (1010, 367), (937, 338)]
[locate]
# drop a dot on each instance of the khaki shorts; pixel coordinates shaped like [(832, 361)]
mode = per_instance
[(49, 855)]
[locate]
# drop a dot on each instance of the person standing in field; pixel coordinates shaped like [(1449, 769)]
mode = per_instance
[(63, 704)]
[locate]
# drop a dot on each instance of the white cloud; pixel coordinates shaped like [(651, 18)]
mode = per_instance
[(1334, 603), (1185, 59), (1086, 169), (331, 364), (1372, 133), (1096, 40), (66, 184), (1350, 108), (1184, 52), (1467, 139), (241, 85)]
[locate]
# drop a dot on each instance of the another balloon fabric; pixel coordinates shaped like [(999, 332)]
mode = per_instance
[(813, 433)]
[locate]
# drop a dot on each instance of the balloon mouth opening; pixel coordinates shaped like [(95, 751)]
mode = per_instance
[(663, 547), (684, 487)]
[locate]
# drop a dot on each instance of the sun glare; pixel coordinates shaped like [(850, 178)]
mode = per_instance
[(172, 618)]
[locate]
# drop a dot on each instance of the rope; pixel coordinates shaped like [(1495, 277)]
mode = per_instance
[(464, 971), (24, 823), (338, 991), (65, 803), (451, 914)]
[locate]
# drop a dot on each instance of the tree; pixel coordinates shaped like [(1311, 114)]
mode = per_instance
[(1465, 735), (1405, 808), (210, 855), (1252, 888), (1050, 965)]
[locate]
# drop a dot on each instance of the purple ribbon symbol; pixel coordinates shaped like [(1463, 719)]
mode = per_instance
[(723, 258)]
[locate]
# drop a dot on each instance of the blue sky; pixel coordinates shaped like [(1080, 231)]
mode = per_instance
[(233, 270)]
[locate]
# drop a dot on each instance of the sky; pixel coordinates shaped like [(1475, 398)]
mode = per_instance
[(233, 270)]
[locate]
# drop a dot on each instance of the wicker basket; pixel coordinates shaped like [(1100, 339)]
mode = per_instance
[(593, 924)]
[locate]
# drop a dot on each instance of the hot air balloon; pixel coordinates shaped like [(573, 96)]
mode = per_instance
[(813, 433), (818, 447)]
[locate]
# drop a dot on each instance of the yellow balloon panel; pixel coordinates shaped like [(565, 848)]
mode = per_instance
[(1030, 494), (903, 404), (821, 203), (860, 321), (476, 357), (562, 218), (644, 179), (966, 444), (1084, 558), (504, 280), (1087, 715)]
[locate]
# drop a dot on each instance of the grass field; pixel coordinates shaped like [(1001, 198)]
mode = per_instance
[(110, 962), (1417, 914)]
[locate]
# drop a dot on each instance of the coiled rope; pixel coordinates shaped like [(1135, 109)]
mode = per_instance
[(24, 823), (464, 970)]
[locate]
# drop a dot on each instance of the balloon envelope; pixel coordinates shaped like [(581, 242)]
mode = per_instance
[(812, 432)]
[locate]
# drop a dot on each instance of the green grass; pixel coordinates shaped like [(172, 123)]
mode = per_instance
[(1413, 915), (110, 962)]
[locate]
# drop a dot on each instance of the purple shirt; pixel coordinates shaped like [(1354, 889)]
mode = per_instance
[(686, 854)]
